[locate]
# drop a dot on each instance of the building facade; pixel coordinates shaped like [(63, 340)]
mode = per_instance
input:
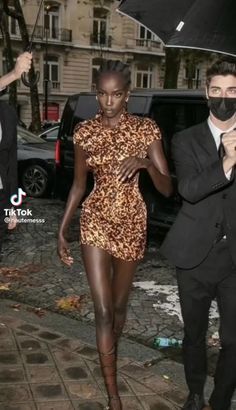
[(71, 38)]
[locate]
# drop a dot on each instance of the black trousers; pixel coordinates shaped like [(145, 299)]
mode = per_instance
[(215, 277), (4, 204)]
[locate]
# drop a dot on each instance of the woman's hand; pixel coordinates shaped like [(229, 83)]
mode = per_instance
[(130, 166), (64, 251), (13, 222)]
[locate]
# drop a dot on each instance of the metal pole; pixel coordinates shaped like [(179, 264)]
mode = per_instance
[(46, 79)]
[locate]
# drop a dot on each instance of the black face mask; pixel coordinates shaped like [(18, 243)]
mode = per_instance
[(222, 108)]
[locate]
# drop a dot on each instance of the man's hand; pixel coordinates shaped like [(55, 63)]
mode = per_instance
[(229, 143), (23, 64)]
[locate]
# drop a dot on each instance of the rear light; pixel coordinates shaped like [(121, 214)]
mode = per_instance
[(58, 153)]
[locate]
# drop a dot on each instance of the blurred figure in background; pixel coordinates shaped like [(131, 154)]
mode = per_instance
[(8, 144)]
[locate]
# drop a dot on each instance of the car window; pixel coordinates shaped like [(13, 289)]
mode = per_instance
[(51, 135), (138, 105), (174, 116), (26, 137)]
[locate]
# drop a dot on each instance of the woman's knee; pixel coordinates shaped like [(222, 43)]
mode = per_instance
[(104, 316), (120, 309)]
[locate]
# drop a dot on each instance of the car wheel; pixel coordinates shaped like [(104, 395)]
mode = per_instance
[(34, 180)]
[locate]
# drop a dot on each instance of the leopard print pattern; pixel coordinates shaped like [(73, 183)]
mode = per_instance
[(113, 216)]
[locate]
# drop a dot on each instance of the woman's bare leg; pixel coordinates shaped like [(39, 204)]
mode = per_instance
[(98, 265), (121, 286)]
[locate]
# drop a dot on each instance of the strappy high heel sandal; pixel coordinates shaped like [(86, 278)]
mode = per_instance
[(108, 367), (117, 398)]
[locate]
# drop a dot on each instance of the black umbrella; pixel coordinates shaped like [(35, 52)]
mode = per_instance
[(201, 24)]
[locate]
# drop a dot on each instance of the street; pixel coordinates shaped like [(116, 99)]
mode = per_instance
[(43, 282)]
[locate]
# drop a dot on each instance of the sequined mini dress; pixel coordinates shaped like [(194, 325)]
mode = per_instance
[(113, 216)]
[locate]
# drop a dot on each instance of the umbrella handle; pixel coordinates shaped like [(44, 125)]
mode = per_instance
[(35, 77), (25, 78)]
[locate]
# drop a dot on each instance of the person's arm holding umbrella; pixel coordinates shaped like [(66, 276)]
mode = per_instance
[(23, 64)]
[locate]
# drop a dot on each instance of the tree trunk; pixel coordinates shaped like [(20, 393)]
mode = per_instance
[(172, 64), (7, 51)]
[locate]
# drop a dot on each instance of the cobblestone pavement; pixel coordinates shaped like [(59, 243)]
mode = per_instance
[(41, 279), (41, 369)]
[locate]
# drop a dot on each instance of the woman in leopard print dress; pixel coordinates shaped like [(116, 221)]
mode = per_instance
[(114, 146)]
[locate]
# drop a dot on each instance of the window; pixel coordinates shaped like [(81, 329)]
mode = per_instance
[(96, 64), (51, 21), (143, 76), (99, 35), (192, 75), (13, 27), (146, 38), (51, 70)]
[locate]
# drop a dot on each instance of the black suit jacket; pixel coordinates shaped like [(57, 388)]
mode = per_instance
[(8, 148), (209, 199)]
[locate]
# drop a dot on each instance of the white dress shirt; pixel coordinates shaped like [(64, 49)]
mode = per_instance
[(216, 132)]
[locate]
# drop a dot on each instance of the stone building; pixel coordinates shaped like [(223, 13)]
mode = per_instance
[(71, 38)]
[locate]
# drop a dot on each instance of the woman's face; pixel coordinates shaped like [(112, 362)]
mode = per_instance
[(112, 94)]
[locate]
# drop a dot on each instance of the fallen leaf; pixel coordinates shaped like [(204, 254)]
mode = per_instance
[(70, 302), (15, 306), (4, 286)]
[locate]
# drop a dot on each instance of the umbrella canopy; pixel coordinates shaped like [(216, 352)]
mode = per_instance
[(202, 24)]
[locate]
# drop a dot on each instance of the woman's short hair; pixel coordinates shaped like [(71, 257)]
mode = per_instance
[(223, 66), (114, 66)]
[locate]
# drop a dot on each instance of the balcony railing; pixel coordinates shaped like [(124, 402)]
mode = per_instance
[(62, 34), (100, 40), (148, 43)]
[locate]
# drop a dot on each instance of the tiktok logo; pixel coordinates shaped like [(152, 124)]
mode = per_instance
[(17, 199)]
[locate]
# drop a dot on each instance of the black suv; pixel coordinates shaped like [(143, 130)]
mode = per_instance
[(173, 110)]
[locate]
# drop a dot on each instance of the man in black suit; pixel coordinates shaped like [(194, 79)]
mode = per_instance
[(8, 144), (202, 241)]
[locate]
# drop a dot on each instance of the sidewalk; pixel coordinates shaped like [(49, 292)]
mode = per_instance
[(51, 363)]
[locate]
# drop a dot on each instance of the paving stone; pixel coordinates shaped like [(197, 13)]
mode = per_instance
[(64, 357), (4, 332), (89, 405), (47, 392), (75, 373), (88, 352), (38, 374), (8, 358), (18, 406), (156, 403), (16, 393), (83, 390), (7, 344), (36, 358), (48, 336), (28, 328), (30, 344), (59, 405), (12, 375)]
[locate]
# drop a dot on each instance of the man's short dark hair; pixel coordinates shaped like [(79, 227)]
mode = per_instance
[(223, 66)]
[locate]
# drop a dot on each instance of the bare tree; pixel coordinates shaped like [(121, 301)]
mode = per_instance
[(17, 13)]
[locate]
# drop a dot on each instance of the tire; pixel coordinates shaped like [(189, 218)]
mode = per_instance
[(35, 180)]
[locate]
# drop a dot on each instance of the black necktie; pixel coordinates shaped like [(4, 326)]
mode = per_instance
[(221, 150)]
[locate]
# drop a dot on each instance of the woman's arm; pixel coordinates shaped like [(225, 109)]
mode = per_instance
[(156, 166), (23, 64), (158, 169), (76, 194)]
